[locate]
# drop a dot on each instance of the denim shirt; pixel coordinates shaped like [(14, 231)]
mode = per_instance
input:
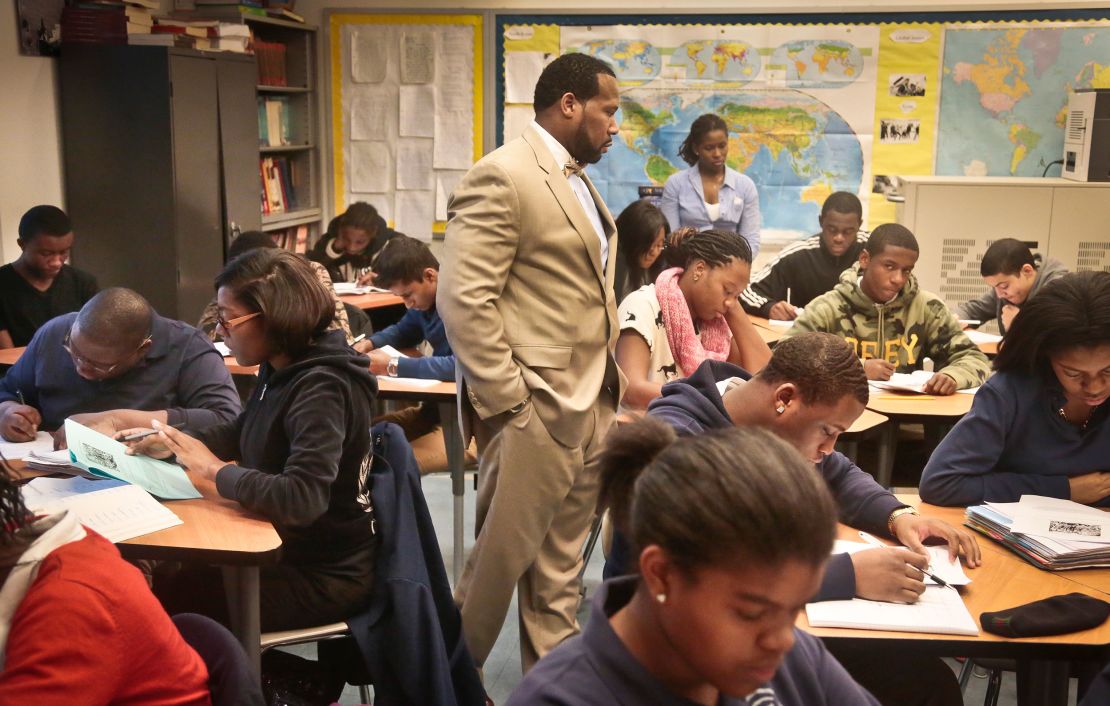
[(683, 204)]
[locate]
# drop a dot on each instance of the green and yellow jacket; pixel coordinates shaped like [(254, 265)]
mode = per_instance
[(904, 331)]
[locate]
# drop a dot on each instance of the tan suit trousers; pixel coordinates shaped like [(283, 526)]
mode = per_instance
[(536, 501)]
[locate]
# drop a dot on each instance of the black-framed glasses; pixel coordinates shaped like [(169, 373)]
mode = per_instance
[(228, 324), (97, 368)]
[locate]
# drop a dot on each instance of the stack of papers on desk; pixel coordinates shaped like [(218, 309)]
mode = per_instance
[(1049, 533), (411, 382), (904, 382), (55, 462), (115, 509), (981, 337), (15, 450), (353, 288), (940, 610)]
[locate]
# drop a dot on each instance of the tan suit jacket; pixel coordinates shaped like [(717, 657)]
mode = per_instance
[(527, 306)]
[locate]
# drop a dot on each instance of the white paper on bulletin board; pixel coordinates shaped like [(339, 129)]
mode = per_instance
[(413, 82)]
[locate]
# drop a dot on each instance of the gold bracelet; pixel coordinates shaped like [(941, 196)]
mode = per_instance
[(907, 510)]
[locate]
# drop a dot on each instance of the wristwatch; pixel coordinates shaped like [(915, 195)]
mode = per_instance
[(896, 514), (391, 366)]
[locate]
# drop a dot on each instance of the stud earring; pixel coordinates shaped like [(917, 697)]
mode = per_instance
[(781, 408), (661, 597), (697, 277)]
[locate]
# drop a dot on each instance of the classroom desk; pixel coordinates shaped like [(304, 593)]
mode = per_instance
[(371, 300), (770, 334), (8, 356), (867, 425), (445, 396), (215, 531), (1003, 581), (911, 408)]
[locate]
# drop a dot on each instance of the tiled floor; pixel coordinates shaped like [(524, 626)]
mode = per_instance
[(503, 666)]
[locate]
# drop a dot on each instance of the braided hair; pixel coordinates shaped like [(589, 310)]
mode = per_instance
[(715, 247), (13, 513)]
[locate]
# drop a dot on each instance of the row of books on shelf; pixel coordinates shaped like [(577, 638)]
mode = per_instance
[(274, 122), (293, 238), (223, 9), (279, 182), (271, 63)]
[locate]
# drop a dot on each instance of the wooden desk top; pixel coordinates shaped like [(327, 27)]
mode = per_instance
[(371, 300), (893, 404), (1003, 581), (215, 530), (866, 421), (770, 334), (390, 389), (8, 356)]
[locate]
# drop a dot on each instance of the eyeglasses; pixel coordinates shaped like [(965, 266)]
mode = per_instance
[(228, 324), (82, 361)]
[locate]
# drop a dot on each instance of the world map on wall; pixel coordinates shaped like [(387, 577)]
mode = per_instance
[(718, 61), (632, 61), (1004, 96), (795, 147), (818, 64)]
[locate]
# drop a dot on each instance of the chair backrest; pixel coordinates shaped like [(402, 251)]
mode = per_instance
[(230, 679)]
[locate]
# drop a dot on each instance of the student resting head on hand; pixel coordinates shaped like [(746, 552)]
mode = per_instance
[(733, 529), (1014, 274), (352, 243), (690, 313), (1039, 425)]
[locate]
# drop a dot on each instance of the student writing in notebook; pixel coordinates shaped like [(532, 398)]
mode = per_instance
[(78, 624), (1014, 275), (710, 194), (891, 322), (408, 268), (113, 365), (40, 284), (811, 390), (806, 269), (1039, 426), (352, 243), (296, 455), (690, 313), (733, 531)]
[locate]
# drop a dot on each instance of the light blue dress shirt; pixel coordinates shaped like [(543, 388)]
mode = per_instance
[(683, 204)]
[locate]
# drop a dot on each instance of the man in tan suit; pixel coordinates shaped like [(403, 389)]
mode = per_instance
[(526, 296)]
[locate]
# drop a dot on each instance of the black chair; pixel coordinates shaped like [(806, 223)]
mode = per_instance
[(230, 679)]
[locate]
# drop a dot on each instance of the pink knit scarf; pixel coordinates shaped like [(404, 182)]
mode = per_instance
[(688, 349)]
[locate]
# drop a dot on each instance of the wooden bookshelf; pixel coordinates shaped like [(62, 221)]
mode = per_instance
[(301, 151)]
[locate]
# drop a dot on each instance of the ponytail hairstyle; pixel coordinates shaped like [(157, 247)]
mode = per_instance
[(715, 247), (637, 226), (727, 497), (702, 126)]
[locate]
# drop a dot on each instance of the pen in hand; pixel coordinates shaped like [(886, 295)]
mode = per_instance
[(150, 432), (870, 539)]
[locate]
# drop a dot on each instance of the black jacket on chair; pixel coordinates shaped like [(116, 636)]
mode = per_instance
[(411, 635)]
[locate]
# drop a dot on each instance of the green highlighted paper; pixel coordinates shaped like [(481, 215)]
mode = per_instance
[(108, 458)]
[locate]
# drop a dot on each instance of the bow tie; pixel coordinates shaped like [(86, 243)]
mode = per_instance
[(571, 168)]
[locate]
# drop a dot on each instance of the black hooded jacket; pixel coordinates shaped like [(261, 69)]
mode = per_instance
[(302, 444), (341, 266)]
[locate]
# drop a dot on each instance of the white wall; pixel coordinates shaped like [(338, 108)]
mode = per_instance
[(30, 149)]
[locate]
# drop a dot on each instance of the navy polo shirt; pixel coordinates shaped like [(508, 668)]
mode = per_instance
[(181, 373)]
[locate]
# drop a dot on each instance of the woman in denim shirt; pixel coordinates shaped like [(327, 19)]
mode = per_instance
[(710, 194)]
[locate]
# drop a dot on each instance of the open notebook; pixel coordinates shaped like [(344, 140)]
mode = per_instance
[(115, 509), (940, 610)]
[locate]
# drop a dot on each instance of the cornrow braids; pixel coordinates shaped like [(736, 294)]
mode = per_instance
[(715, 247), (822, 365)]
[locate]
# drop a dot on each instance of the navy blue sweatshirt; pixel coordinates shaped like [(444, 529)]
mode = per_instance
[(596, 668), (303, 443), (1014, 442), (693, 405), (415, 327)]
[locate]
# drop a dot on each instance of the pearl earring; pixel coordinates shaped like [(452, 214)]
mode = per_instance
[(661, 597)]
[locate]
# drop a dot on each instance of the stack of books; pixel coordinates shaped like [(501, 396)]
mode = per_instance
[(1049, 533), (94, 23), (274, 124), (271, 63), (278, 181)]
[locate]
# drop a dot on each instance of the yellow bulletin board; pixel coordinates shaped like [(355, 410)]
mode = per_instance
[(405, 113)]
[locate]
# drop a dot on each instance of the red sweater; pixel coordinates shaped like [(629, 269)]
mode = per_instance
[(89, 631)]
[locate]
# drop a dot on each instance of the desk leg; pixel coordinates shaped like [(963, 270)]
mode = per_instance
[(456, 460), (1042, 682), (887, 444), (242, 587)]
